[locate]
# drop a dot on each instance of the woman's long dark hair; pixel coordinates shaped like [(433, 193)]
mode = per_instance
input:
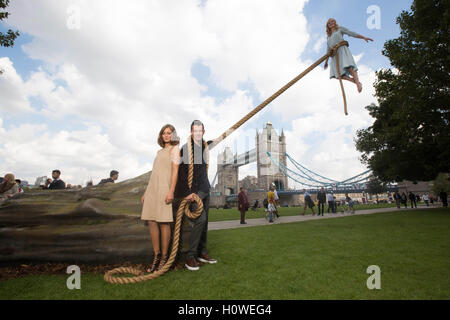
[(175, 139)]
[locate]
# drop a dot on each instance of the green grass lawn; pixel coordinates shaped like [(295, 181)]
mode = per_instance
[(234, 214), (320, 259)]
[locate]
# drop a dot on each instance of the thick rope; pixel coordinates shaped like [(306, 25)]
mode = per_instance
[(335, 52), (183, 208), (332, 52), (184, 205)]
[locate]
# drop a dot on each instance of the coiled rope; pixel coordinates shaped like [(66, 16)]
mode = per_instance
[(139, 275)]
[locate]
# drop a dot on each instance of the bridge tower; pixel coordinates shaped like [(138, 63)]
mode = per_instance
[(269, 141), (267, 172)]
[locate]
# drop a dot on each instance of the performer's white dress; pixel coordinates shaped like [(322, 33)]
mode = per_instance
[(345, 56)]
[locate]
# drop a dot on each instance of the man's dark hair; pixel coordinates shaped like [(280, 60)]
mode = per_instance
[(57, 171), (113, 173), (197, 123), (242, 188)]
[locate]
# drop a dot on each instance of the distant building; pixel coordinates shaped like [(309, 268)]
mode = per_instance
[(418, 188), (24, 183), (40, 181), (249, 183)]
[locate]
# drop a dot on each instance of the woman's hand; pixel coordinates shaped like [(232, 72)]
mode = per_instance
[(169, 197), (367, 39)]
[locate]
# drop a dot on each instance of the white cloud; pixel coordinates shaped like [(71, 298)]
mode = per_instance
[(319, 44), (13, 96), (127, 71)]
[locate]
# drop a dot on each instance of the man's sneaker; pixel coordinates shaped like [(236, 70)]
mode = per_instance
[(191, 264), (206, 259)]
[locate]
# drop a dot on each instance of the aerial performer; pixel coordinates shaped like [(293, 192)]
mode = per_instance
[(347, 66)]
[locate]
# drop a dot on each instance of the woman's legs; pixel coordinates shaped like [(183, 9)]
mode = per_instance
[(348, 79), (165, 238), (356, 78), (154, 234)]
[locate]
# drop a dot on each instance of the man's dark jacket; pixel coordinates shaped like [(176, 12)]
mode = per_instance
[(200, 183), (57, 184), (243, 201), (322, 197)]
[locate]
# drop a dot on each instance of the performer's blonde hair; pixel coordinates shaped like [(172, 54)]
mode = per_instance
[(328, 29)]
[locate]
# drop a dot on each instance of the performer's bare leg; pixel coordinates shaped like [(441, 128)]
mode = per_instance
[(348, 79), (356, 78)]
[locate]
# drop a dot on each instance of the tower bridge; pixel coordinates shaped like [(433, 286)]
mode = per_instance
[(271, 158)]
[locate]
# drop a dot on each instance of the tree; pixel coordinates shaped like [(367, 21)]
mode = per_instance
[(441, 183), (6, 40), (375, 186), (410, 137)]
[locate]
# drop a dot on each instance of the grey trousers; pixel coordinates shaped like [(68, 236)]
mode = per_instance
[(198, 237)]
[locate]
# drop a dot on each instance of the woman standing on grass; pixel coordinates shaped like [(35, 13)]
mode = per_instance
[(347, 65), (157, 199)]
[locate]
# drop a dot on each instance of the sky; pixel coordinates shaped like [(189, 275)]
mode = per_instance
[(89, 84)]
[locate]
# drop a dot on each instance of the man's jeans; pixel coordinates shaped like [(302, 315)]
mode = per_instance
[(198, 237)]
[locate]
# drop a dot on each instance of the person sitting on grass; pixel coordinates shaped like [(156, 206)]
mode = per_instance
[(113, 176), (57, 183), (8, 188), (19, 182)]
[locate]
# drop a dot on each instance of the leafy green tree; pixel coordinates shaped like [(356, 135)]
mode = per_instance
[(441, 183), (410, 137), (6, 40), (375, 186)]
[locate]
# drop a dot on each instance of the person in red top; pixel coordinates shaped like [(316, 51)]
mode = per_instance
[(243, 204)]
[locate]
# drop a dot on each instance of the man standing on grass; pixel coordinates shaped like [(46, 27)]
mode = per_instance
[(200, 186), (443, 196), (321, 199), (331, 203), (397, 199), (243, 204), (412, 198)]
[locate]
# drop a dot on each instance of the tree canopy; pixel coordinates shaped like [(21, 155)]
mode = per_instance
[(375, 186), (6, 40), (410, 137)]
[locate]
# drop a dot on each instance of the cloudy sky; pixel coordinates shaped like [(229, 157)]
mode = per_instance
[(89, 84)]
